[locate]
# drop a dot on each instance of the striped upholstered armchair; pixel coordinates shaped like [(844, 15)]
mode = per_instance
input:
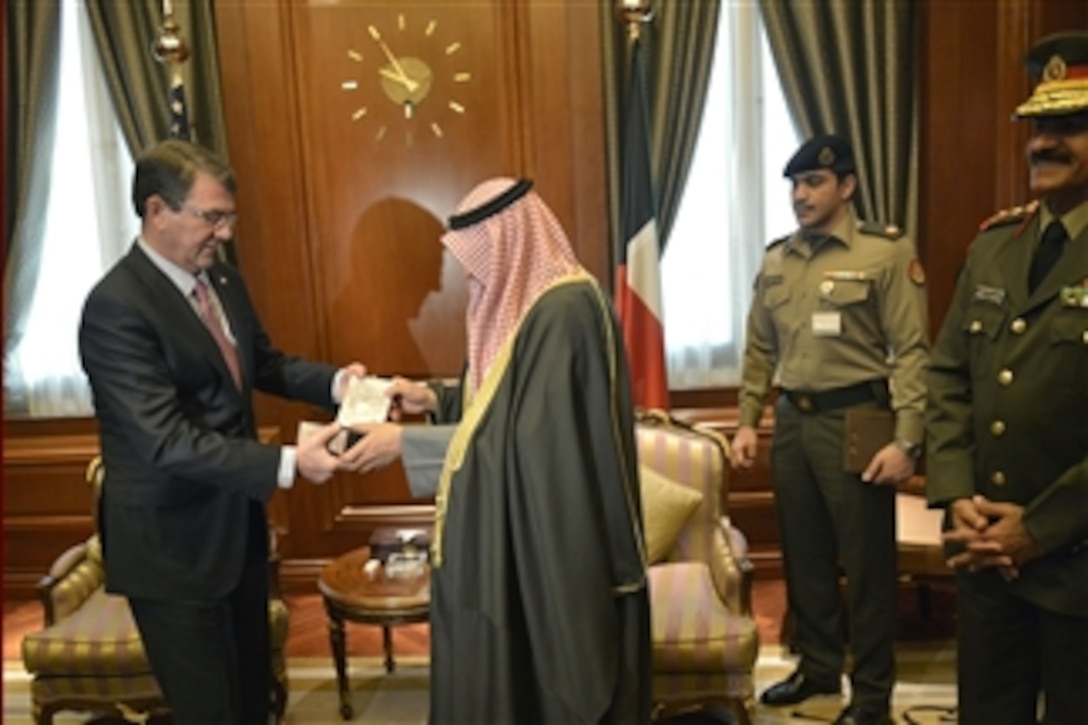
[(89, 656), (705, 641)]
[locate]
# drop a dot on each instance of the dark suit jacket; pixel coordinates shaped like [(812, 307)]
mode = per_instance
[(1008, 403), (183, 466)]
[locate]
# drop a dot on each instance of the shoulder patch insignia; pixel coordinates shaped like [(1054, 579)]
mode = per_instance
[(888, 231), (1011, 215)]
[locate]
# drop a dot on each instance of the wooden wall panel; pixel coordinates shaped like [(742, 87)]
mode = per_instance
[(382, 185), (957, 136), (363, 189), (562, 109), (47, 504)]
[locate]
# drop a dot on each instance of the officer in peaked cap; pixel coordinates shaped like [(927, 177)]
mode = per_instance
[(832, 300), (1006, 425), (1059, 65), (826, 151)]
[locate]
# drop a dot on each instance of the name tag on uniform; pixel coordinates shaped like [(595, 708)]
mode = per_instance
[(989, 295), (826, 324)]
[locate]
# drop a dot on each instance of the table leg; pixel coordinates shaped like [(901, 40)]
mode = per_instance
[(338, 640), (387, 643)]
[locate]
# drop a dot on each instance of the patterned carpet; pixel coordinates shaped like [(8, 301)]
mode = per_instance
[(923, 694)]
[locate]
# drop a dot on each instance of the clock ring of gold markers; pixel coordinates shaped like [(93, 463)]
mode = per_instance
[(429, 67)]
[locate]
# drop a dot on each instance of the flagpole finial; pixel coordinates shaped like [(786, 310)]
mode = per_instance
[(634, 13), (169, 46)]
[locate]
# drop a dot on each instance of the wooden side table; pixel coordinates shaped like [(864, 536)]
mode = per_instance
[(352, 595)]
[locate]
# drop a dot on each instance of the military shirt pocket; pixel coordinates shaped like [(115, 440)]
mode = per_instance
[(848, 292), (775, 296), (1070, 328), (1068, 353)]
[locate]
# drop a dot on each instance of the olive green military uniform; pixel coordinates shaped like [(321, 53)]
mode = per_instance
[(843, 317), (1008, 419)]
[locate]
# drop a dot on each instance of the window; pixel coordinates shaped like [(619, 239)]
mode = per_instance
[(735, 202), (89, 224)]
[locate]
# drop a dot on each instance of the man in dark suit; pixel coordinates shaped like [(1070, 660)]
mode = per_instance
[(174, 349), (1007, 424)]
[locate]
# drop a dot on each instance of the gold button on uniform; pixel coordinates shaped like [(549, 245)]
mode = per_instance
[(997, 428), (1018, 325), (1084, 337), (998, 478), (1005, 376), (975, 327)]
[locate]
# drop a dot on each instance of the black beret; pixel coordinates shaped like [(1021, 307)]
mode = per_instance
[(827, 151), (1059, 64)]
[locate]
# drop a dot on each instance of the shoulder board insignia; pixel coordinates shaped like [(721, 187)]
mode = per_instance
[(780, 240), (888, 231), (1012, 215)]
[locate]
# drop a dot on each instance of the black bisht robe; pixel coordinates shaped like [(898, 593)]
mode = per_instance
[(540, 611)]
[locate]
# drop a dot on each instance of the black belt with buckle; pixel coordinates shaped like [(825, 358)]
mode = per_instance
[(820, 401)]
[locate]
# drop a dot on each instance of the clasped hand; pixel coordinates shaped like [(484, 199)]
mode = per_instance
[(992, 535), (380, 444)]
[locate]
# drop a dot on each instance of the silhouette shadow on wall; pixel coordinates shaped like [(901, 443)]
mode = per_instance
[(403, 312)]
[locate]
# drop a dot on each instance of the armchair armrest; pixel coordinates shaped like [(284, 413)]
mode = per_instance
[(71, 580), (730, 568)]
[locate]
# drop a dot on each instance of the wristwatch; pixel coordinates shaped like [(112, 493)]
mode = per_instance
[(914, 450)]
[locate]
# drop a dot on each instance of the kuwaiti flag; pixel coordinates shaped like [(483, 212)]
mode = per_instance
[(638, 278)]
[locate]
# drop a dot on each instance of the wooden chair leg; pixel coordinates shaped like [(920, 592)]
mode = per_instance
[(43, 714)]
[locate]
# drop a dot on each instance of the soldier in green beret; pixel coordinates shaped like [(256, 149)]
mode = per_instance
[(1007, 423), (838, 324)]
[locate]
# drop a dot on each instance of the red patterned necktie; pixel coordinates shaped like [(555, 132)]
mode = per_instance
[(214, 323)]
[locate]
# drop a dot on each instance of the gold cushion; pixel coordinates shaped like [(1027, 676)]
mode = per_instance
[(666, 508)]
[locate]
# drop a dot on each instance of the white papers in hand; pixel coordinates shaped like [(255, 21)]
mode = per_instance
[(365, 401)]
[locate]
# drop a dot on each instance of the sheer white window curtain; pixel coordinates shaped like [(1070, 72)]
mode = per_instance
[(90, 224), (734, 203)]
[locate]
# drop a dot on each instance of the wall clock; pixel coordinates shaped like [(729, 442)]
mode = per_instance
[(406, 80)]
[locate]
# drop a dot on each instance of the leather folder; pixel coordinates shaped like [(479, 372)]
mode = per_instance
[(867, 430)]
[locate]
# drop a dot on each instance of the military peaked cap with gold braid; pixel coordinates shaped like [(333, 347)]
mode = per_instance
[(1059, 63)]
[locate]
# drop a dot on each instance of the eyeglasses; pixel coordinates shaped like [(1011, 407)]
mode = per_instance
[(214, 217)]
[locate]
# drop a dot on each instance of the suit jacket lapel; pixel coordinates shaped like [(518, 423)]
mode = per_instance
[(1013, 262), (179, 310)]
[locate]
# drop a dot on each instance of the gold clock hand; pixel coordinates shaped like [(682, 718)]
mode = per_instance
[(404, 80), (410, 84)]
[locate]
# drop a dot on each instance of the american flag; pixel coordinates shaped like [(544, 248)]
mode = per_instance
[(179, 110)]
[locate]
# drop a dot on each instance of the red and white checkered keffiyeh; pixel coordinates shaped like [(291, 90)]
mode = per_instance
[(511, 257)]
